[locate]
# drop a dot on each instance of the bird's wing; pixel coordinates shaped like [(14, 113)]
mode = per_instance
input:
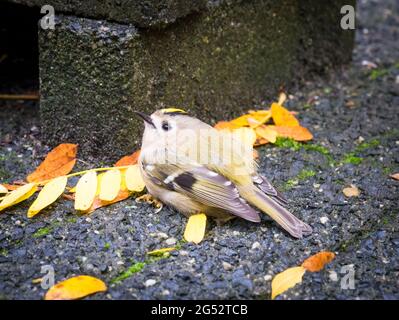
[(203, 185), (264, 185)]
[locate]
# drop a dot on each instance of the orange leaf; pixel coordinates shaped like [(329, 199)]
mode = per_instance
[(128, 160), (282, 117), (221, 125), (75, 288), (297, 133), (11, 187), (260, 141), (58, 162), (98, 203), (317, 262)]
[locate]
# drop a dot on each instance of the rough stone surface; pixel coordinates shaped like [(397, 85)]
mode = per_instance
[(215, 63), (355, 111), (142, 13)]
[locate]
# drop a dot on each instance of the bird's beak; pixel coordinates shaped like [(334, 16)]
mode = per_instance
[(145, 117)]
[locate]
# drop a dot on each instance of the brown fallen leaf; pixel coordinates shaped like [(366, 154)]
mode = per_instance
[(297, 133), (128, 160), (60, 161), (351, 191), (395, 176), (317, 262), (75, 288), (282, 117)]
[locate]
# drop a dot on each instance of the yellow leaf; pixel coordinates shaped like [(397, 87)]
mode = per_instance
[(287, 279), (282, 117), (281, 99), (133, 179), (18, 195), (351, 191), (75, 288), (267, 133), (195, 228), (246, 135), (3, 189), (110, 185), (317, 262), (252, 119), (50, 192), (86, 191), (160, 252)]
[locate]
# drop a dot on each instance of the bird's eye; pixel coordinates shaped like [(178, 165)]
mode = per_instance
[(165, 125)]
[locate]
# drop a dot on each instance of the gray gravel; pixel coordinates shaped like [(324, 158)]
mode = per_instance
[(354, 117)]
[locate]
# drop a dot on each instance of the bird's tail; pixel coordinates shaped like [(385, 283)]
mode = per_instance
[(282, 216)]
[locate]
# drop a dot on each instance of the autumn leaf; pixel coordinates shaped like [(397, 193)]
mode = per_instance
[(267, 133), (351, 191), (11, 187), (98, 203), (18, 195), (225, 125), (292, 276), (286, 280), (128, 160), (195, 228), (50, 193), (75, 288), (86, 191), (58, 162), (133, 179), (110, 185), (161, 252), (297, 133), (282, 117), (317, 262), (395, 176), (3, 189)]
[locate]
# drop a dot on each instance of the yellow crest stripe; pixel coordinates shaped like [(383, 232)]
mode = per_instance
[(172, 110)]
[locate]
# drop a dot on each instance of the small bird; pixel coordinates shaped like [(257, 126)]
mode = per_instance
[(224, 187)]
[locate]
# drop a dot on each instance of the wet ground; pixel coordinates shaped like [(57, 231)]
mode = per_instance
[(354, 117)]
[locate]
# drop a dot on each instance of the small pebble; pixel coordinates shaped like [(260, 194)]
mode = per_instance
[(150, 282), (267, 277), (255, 245), (227, 266), (170, 241), (323, 220), (333, 276)]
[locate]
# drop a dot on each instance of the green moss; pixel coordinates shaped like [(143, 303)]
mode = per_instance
[(42, 232), (367, 145), (72, 220), (288, 143), (352, 159), (378, 73), (4, 252), (303, 175), (136, 267)]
